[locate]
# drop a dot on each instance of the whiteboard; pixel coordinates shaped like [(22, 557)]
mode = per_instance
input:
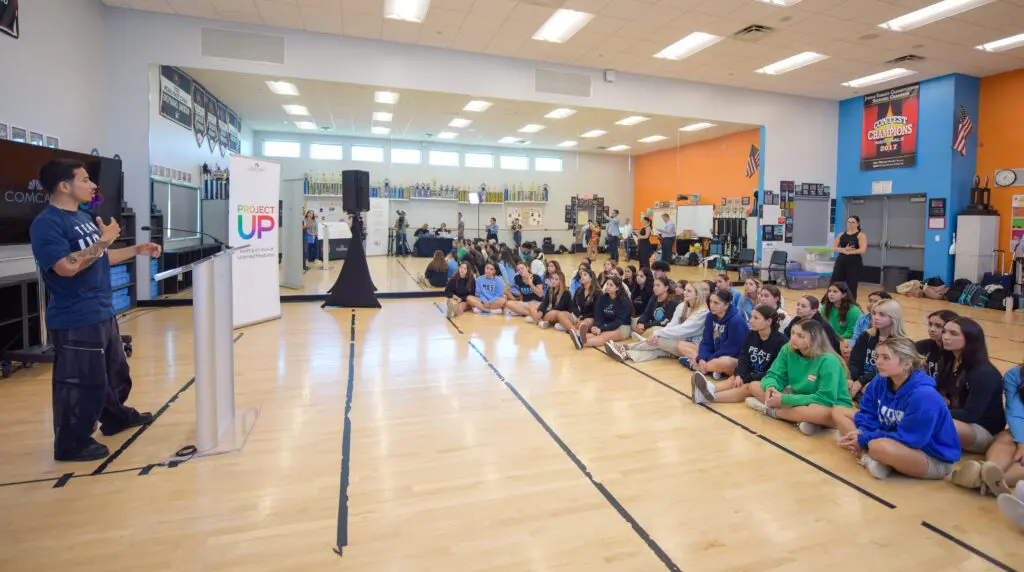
[(697, 218)]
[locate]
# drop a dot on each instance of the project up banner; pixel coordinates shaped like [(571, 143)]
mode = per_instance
[(253, 219), (377, 227), (889, 132)]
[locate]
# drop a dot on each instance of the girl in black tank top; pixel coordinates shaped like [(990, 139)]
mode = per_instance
[(850, 263)]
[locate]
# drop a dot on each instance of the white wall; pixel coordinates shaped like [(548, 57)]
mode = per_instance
[(51, 81), (609, 176)]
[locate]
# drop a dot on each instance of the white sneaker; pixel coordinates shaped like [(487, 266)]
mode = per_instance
[(544, 325), (450, 310), (1013, 508), (497, 312), (477, 311), (754, 403), (560, 328), (577, 340), (717, 376), (1018, 491), (530, 320), (808, 428), (877, 470), (702, 390)]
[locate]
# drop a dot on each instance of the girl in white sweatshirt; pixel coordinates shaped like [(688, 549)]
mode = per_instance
[(685, 328)]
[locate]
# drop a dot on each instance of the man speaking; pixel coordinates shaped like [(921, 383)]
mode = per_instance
[(91, 381)]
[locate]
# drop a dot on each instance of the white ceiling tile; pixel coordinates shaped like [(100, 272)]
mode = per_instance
[(1005, 19), (721, 7), (683, 5), (957, 32), (324, 20), (626, 9), (871, 12), (116, 3), (634, 30), (588, 6), (247, 17), (162, 6), (504, 43), (437, 36), (494, 8), (530, 14), (459, 5), (604, 25), (397, 31), (280, 14), (444, 18), (194, 8), (819, 6), (364, 25), (234, 5), (471, 41), (375, 7), (480, 23), (321, 4)]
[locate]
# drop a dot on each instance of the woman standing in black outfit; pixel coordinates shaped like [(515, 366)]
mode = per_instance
[(643, 242), (850, 245)]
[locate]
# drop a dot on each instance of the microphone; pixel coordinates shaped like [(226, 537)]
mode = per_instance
[(216, 240)]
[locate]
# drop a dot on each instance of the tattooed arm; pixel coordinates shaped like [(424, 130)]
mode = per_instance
[(78, 261)]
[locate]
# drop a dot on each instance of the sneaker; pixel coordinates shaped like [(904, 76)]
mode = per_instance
[(560, 328), (138, 420), (1018, 491), (994, 479), (717, 376), (576, 341), (450, 309), (808, 428), (530, 320), (1013, 508), (755, 404), (498, 312), (685, 362), (544, 325), (616, 351), (583, 338), (92, 452), (703, 391), (877, 470), (966, 474), (477, 311)]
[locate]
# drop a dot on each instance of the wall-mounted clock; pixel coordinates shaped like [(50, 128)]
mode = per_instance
[(1006, 177)]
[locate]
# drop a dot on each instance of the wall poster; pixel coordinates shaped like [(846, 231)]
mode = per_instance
[(176, 96), (889, 131), (199, 113)]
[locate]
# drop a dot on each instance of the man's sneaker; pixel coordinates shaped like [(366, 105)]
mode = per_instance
[(137, 420), (877, 470), (808, 428), (530, 320), (702, 390), (616, 351), (560, 328), (544, 325), (92, 452), (450, 309), (755, 404), (576, 340)]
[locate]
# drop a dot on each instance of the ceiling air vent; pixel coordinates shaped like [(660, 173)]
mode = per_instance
[(753, 33), (906, 58)]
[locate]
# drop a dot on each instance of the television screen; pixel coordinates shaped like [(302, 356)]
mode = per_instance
[(22, 197)]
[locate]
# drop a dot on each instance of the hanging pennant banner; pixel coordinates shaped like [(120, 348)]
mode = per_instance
[(199, 113), (9, 18), (253, 219), (223, 129), (212, 105), (889, 137), (175, 96), (235, 124)]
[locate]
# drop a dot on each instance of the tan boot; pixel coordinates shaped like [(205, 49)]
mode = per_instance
[(967, 474), (994, 481)]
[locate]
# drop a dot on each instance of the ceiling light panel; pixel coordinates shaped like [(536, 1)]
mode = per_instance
[(1004, 44), (380, 130), (783, 3), (593, 133), (562, 25), (561, 113), (507, 140), (791, 63), (406, 10), (932, 13), (697, 126), (618, 148), (447, 135), (652, 139), (568, 144), (282, 88), (382, 116), (386, 97), (459, 123), (478, 106), (633, 120), (885, 76), (688, 46), (305, 125), (295, 110), (531, 128)]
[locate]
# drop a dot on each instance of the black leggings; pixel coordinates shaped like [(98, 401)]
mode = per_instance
[(644, 252), (848, 269)]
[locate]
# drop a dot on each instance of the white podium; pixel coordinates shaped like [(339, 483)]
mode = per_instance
[(213, 325)]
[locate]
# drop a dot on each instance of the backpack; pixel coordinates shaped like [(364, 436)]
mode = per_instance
[(996, 299), (953, 295), (973, 295)]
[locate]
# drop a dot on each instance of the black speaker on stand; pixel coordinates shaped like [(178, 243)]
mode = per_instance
[(354, 287)]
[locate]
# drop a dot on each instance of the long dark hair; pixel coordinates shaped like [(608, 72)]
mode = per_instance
[(470, 278), (844, 306), (952, 381), (593, 283), (770, 314), (508, 257), (856, 218), (620, 293), (648, 286), (438, 263)]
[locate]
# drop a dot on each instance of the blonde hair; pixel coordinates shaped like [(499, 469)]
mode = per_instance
[(820, 344), (890, 308), (699, 301), (904, 350)]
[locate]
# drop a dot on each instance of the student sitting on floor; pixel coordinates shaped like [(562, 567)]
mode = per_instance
[(436, 274), (724, 332), (771, 296), (660, 268), (611, 317), (751, 288), (763, 343), (643, 290), (864, 321), (550, 269), (660, 308), (489, 297), (886, 322), (815, 374), (903, 423), (931, 347), (1004, 461), (574, 282), (841, 310), (556, 299), (807, 308), (507, 265), (685, 330), (605, 272), (629, 277), (453, 264), (527, 290), (581, 310), (723, 282), (459, 289)]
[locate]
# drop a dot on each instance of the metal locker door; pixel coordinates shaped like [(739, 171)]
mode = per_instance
[(871, 211), (905, 223)]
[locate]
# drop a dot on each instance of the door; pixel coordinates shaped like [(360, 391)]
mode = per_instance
[(905, 225), (871, 211)]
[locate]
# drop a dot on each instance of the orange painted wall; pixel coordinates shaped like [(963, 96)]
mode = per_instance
[(714, 168), (1001, 139)]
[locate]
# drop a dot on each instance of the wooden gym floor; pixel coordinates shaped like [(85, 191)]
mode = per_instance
[(483, 444)]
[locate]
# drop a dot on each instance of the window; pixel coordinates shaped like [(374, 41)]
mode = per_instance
[(480, 160), (323, 151), (515, 162), (548, 164), (369, 154), (282, 149), (406, 156), (444, 158)]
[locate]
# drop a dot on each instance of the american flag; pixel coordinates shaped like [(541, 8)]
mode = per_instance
[(963, 129), (753, 161)]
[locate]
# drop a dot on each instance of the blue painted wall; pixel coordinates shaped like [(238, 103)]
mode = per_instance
[(940, 172)]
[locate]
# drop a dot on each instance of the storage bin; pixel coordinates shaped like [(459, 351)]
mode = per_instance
[(824, 279), (746, 272), (801, 280), (821, 266), (818, 255)]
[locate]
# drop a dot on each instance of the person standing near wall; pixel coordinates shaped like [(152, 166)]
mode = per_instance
[(492, 230), (668, 238), (461, 229), (91, 380), (627, 234), (517, 233), (643, 242), (850, 245), (613, 232), (401, 241)]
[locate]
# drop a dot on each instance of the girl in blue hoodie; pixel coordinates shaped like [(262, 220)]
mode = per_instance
[(724, 333), (489, 297), (903, 424)]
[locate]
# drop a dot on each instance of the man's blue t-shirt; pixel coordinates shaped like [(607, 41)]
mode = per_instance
[(85, 298)]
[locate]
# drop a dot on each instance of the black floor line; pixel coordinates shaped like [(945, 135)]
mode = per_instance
[(637, 528), (450, 320), (399, 261), (768, 440), (346, 445), (138, 432), (967, 547)]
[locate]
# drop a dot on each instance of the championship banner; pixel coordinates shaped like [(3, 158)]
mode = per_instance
[(212, 105), (253, 219), (223, 130), (9, 18), (235, 141), (889, 137), (377, 227), (199, 113), (175, 95)]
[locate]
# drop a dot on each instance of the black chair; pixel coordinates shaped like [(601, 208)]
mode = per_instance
[(777, 264), (743, 259)]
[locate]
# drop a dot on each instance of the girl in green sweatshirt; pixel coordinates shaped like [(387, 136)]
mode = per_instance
[(815, 375), (841, 311)]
